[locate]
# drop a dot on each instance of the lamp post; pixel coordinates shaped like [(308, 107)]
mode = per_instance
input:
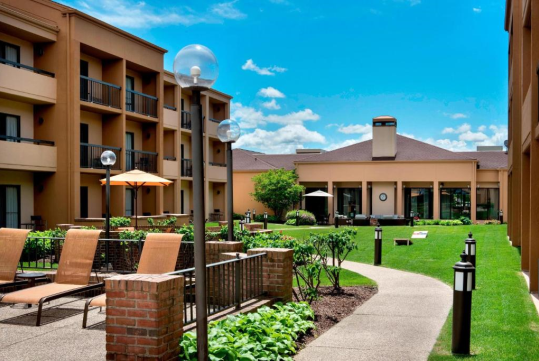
[(254, 214), (378, 245), (248, 216), (462, 306), (196, 69), (228, 132), (501, 216), (297, 217), (412, 219), (108, 159), (265, 220), (471, 247)]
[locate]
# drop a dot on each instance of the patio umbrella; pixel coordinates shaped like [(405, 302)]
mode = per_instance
[(318, 194), (136, 179)]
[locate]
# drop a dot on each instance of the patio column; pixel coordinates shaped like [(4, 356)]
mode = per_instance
[(473, 196), (331, 202), (436, 199), (364, 200), (400, 209)]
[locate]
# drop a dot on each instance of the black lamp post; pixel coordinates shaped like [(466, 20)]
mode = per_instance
[(248, 216), (378, 245), (462, 306), (471, 247), (196, 69), (297, 217), (411, 218), (108, 159), (228, 132), (254, 215), (501, 216), (242, 225), (265, 220)]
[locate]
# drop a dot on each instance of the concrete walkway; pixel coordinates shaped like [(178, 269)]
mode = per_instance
[(401, 322)]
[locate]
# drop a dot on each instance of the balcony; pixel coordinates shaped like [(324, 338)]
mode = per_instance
[(99, 92), (170, 117), (141, 160), (212, 127), (141, 103), (27, 154), (187, 168), (90, 156), (24, 83), (170, 167), (216, 171), (186, 120)]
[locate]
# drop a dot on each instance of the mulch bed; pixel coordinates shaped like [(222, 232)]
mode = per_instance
[(333, 307)]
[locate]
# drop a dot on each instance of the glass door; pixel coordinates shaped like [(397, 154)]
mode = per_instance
[(129, 202), (129, 96), (129, 146), (10, 212)]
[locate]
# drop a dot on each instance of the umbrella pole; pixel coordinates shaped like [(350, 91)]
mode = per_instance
[(136, 209)]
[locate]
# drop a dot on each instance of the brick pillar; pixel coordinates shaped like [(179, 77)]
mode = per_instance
[(144, 317), (276, 272), (215, 248)]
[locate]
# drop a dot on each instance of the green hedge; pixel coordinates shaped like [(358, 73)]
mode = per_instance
[(306, 218)]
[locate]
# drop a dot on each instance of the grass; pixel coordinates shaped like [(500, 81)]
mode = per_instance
[(348, 278), (505, 323)]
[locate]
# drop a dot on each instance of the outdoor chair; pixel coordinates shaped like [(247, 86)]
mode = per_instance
[(72, 276), (158, 256), (11, 247)]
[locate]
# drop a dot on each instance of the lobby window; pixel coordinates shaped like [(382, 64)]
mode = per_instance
[(455, 203), (10, 206), (488, 203), (349, 201), (419, 201)]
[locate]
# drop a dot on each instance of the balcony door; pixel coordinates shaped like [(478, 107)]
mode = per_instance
[(85, 161), (129, 146), (10, 52), (10, 206), (10, 126), (129, 97), (129, 202), (83, 202), (84, 83)]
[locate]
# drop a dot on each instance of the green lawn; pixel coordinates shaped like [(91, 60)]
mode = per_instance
[(505, 323)]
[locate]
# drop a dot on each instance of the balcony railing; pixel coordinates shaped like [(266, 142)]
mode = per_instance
[(99, 92), (90, 156), (9, 138), (215, 164), (141, 160), (22, 66), (141, 103), (169, 157), (215, 120), (186, 120), (170, 107), (187, 168)]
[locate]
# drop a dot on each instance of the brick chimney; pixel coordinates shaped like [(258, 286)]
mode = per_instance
[(384, 138)]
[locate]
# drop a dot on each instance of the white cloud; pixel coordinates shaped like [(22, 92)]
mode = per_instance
[(356, 129), (271, 105), (456, 115), (473, 136), (461, 129), (249, 117), (270, 92), (453, 145), (283, 140), (227, 10), (408, 135), (477, 10), (347, 142), (482, 128), (270, 70), (499, 134)]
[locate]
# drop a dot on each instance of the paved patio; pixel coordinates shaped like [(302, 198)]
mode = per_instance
[(401, 322)]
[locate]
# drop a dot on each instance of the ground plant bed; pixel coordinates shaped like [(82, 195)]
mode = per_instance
[(332, 307)]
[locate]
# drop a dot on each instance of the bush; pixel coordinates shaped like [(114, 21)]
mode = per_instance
[(239, 236), (491, 222), (438, 222), (271, 218), (36, 248), (140, 234), (305, 218), (187, 232), (267, 334), (465, 220), (120, 222), (237, 216)]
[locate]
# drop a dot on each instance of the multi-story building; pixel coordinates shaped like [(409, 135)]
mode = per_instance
[(522, 24), (72, 86)]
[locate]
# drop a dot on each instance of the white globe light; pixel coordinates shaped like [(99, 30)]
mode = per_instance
[(228, 131), (108, 158), (196, 67)]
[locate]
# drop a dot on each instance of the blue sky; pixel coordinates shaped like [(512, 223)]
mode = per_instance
[(313, 74)]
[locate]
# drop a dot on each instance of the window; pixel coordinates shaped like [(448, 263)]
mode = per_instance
[(83, 202), (130, 97), (129, 146), (10, 52), (10, 206), (349, 201), (455, 203), (10, 125), (129, 202), (419, 201), (316, 205), (182, 204), (488, 204)]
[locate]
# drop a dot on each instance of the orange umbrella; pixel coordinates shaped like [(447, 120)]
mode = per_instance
[(136, 179)]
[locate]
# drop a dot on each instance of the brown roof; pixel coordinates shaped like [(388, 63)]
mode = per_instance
[(249, 160), (489, 160)]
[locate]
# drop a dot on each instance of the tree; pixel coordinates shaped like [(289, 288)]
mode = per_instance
[(277, 189)]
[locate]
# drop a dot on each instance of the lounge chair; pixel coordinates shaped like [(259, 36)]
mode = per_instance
[(158, 256), (72, 276), (11, 246)]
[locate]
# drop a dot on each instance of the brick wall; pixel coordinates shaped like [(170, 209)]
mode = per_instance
[(215, 248), (276, 272)]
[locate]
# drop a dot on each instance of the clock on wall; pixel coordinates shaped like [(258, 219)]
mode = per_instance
[(383, 197)]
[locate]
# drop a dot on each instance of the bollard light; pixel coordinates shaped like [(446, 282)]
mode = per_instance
[(462, 306), (297, 218), (254, 214), (501, 216), (411, 218), (471, 246), (265, 220), (378, 245), (242, 227), (248, 218)]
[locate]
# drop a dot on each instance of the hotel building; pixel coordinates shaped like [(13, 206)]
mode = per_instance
[(72, 86)]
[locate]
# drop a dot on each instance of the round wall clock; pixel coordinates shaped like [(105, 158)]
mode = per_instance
[(383, 197)]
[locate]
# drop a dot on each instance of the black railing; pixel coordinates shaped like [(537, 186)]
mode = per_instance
[(215, 164), (142, 160), (187, 168), (186, 120), (170, 107), (22, 66), (90, 156), (141, 103), (123, 255), (9, 138), (99, 92), (228, 285), (215, 120), (169, 157)]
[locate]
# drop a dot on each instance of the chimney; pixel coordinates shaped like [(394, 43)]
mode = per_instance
[(384, 138)]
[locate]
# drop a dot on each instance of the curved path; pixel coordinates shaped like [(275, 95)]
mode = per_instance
[(401, 322)]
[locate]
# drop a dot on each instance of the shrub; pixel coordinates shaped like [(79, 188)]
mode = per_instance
[(465, 220), (436, 222), (268, 334), (239, 235), (237, 216), (491, 222), (271, 218), (140, 234), (305, 218), (120, 222), (40, 247), (187, 232)]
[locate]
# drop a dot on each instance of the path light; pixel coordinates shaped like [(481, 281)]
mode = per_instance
[(242, 225), (248, 216), (471, 246), (196, 69), (501, 216), (378, 245), (411, 218), (297, 217), (265, 220), (254, 215), (462, 306), (228, 132)]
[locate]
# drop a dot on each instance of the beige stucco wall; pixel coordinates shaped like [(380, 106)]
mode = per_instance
[(95, 194), (26, 182), (24, 111), (94, 126), (95, 67), (243, 186), (387, 207), (26, 48)]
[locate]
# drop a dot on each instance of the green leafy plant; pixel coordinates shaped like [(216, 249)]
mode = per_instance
[(465, 220), (150, 221), (36, 248), (167, 222), (305, 218), (120, 222), (237, 216), (239, 236), (271, 218), (268, 334)]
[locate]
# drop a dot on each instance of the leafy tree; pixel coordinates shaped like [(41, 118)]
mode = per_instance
[(278, 190)]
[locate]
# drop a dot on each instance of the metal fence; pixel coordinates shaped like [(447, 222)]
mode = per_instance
[(141, 103), (90, 156), (142, 160), (228, 284), (99, 92), (187, 168), (186, 120)]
